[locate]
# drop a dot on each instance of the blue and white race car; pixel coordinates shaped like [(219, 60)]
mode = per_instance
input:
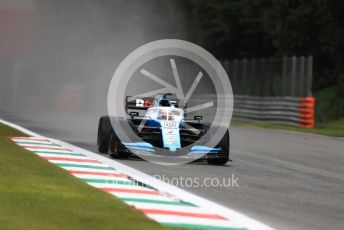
[(162, 127)]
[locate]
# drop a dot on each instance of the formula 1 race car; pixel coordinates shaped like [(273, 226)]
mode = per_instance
[(163, 126)]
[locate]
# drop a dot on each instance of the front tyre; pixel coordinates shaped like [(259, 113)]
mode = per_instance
[(115, 148), (104, 133), (223, 144)]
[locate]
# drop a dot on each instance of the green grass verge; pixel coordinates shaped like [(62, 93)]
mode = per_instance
[(335, 128), (34, 194), (329, 104)]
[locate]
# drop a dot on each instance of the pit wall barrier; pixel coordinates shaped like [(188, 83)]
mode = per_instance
[(296, 111)]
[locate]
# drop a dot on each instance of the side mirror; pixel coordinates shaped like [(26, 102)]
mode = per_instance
[(133, 114), (198, 118), (174, 103)]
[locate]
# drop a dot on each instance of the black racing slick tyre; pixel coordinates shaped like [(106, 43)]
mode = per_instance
[(104, 134), (224, 144), (115, 148)]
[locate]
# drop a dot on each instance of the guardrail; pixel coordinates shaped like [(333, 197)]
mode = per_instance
[(298, 111)]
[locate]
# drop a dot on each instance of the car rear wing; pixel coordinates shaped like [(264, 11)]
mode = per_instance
[(138, 103), (143, 103)]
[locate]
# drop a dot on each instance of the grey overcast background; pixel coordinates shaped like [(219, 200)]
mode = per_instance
[(59, 56)]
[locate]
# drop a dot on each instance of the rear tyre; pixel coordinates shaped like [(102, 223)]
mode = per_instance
[(223, 144), (114, 148), (104, 133)]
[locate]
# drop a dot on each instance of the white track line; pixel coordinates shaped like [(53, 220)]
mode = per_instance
[(203, 203)]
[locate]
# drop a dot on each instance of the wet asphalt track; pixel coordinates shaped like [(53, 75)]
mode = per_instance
[(286, 180)]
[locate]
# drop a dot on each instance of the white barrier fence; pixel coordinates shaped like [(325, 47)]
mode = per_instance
[(298, 111)]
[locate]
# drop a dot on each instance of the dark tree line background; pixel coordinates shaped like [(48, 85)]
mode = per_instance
[(263, 28)]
